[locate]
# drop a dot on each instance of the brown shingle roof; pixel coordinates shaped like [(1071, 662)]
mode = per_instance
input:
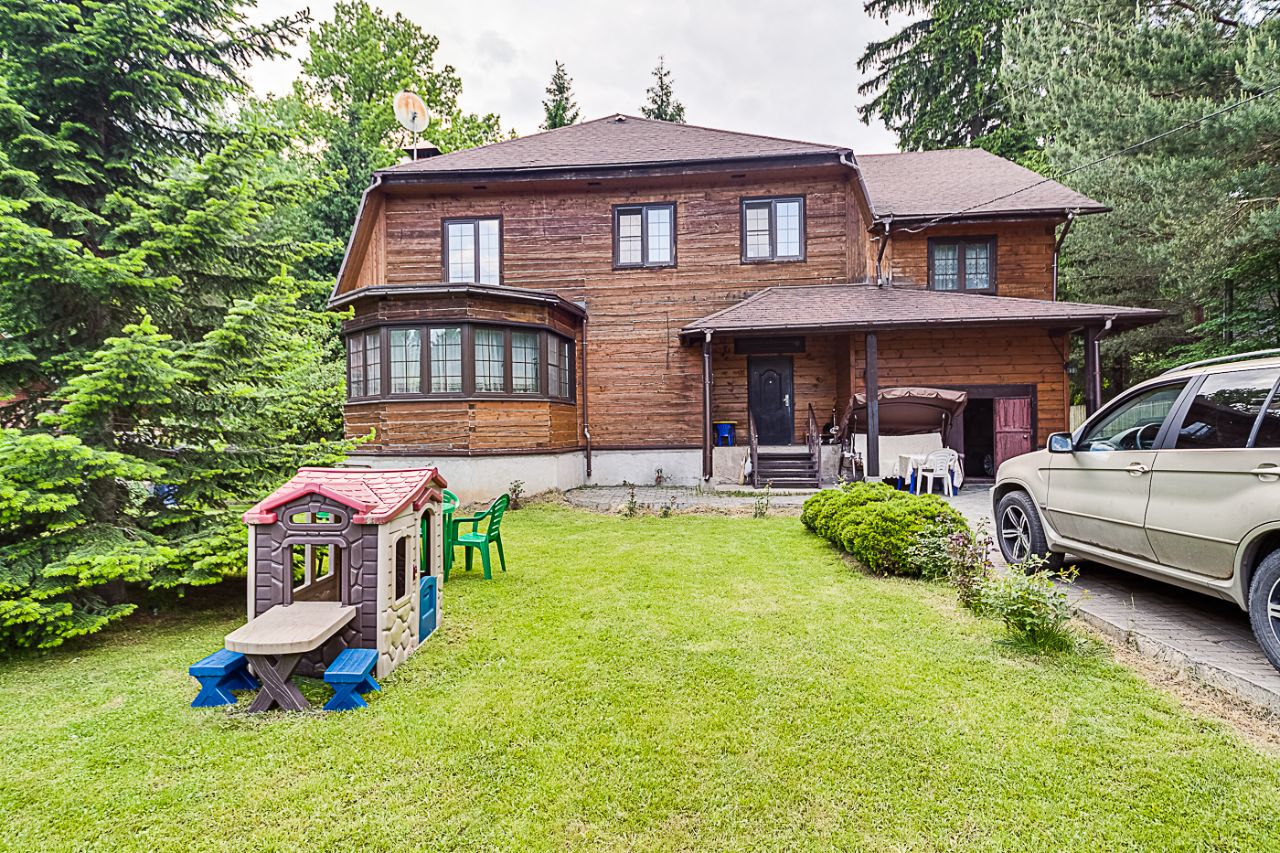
[(616, 140), (855, 307), (962, 182)]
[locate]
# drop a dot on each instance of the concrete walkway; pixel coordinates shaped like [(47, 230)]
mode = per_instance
[(1204, 637)]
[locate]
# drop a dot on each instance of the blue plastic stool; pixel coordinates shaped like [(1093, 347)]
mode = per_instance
[(725, 434), (351, 674), (219, 674)]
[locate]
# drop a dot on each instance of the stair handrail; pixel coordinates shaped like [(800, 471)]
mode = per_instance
[(814, 439), (755, 450)]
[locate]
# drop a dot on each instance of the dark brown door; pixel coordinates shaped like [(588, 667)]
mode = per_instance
[(769, 394), (1013, 427)]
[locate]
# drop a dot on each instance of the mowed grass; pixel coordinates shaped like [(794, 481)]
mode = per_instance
[(684, 683)]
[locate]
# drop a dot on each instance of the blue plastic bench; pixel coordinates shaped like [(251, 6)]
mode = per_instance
[(351, 674), (219, 674)]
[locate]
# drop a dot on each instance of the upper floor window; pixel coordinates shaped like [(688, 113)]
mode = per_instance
[(773, 229), (364, 364), (473, 251), (967, 264), (644, 235)]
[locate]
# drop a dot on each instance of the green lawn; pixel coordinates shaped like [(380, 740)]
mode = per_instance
[(683, 683)]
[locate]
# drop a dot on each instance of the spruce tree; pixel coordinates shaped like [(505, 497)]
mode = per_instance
[(662, 104), (559, 108), (162, 363)]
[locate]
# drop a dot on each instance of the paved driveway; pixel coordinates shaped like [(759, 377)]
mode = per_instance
[(1206, 637)]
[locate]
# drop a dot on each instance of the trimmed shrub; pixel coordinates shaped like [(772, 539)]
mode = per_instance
[(883, 527)]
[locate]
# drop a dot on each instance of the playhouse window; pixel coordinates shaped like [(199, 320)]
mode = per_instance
[(300, 519), (403, 568), (314, 571)]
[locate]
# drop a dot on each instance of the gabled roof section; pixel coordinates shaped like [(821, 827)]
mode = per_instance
[(866, 307), (963, 183), (375, 495), (615, 141)]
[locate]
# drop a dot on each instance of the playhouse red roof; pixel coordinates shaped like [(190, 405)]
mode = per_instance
[(377, 496)]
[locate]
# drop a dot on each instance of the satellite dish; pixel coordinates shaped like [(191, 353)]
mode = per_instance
[(411, 112)]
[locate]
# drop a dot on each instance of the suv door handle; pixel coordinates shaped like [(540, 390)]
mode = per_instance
[(1137, 469), (1267, 471)]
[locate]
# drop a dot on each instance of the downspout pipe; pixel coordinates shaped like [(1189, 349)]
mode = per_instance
[(582, 371), (1057, 249), (884, 244), (706, 407)]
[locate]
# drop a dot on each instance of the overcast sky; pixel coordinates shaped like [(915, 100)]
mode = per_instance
[(746, 65)]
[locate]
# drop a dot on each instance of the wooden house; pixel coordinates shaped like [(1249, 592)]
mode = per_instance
[(581, 305)]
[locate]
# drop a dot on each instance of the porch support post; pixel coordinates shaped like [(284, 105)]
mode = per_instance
[(706, 407), (873, 408), (1092, 371)]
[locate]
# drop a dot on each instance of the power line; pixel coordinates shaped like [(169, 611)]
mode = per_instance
[(1135, 146)]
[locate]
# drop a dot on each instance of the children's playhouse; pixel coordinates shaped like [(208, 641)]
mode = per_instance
[(365, 539)]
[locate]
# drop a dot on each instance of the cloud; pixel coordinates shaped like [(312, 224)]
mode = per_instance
[(756, 66)]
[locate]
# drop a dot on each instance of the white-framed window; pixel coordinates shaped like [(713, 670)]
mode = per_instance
[(473, 250), (644, 235), (773, 229)]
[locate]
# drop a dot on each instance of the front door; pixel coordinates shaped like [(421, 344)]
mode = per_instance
[(769, 394), (1098, 494), (1012, 427)]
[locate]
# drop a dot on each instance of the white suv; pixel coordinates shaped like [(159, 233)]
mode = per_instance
[(1177, 479)]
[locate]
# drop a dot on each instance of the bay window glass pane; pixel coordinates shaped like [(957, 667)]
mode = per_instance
[(977, 266), (446, 360), (355, 366), (629, 237), (490, 252), (462, 251), (659, 248), (406, 361), (373, 363), (556, 364), (526, 363), (788, 229), (758, 230), (566, 371), (490, 354), (946, 269)]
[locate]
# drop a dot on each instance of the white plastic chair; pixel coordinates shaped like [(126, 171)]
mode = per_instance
[(938, 464)]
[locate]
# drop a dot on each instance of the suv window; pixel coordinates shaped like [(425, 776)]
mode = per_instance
[(1134, 424), (1225, 409)]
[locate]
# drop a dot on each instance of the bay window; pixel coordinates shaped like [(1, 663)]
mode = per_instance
[(459, 360)]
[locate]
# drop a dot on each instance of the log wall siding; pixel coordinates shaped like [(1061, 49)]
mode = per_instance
[(464, 426), (1024, 256), (455, 307)]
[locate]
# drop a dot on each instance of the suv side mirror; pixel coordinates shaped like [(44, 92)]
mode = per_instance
[(1060, 442)]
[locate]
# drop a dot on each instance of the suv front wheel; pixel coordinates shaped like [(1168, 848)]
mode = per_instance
[(1020, 533), (1264, 607)]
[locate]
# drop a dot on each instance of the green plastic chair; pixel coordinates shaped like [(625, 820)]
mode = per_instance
[(480, 541), (448, 507)]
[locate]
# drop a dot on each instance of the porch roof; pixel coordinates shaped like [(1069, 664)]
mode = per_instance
[(866, 307)]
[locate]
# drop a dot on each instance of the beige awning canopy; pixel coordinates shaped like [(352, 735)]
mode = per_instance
[(908, 410)]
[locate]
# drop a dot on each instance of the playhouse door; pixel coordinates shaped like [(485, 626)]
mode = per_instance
[(428, 606)]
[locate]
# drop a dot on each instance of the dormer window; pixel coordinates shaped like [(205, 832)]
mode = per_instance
[(473, 251), (772, 229), (963, 264), (644, 235)]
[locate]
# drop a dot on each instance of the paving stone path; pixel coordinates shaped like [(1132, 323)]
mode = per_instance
[(1204, 637)]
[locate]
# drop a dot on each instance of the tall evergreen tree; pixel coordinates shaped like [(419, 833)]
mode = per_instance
[(936, 82), (151, 331), (1196, 221), (559, 108), (662, 104), (356, 63)]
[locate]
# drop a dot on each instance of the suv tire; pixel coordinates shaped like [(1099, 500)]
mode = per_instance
[(1020, 533), (1264, 590)]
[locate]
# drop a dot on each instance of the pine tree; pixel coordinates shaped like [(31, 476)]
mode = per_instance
[(662, 104), (1196, 226), (936, 82), (165, 364), (560, 109)]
